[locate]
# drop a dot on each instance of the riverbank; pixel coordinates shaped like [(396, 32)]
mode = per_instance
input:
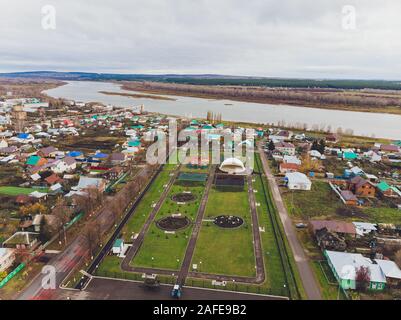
[(133, 95), (312, 98)]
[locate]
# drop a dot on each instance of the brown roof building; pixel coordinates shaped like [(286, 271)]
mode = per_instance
[(338, 227)]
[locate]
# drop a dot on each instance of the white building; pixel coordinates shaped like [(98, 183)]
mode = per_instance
[(298, 181), (363, 228), (233, 166), (118, 247), (292, 159)]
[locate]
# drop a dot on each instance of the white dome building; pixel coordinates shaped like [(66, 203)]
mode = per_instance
[(233, 166)]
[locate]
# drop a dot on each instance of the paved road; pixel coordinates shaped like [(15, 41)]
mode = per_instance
[(307, 276), (114, 289)]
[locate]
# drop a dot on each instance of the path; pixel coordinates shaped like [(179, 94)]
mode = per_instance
[(305, 270), (134, 249), (186, 264)]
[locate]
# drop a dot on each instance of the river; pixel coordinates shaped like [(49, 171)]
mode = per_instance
[(378, 125)]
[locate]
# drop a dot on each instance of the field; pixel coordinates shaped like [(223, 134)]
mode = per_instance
[(15, 191), (218, 251), (134, 225), (321, 201), (226, 251), (166, 251)]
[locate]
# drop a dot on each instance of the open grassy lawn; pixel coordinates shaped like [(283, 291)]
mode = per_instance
[(321, 201), (384, 215), (326, 281), (223, 251), (15, 191), (166, 251), (275, 273), (144, 208)]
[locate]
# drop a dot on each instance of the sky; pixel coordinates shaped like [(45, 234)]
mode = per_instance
[(357, 39)]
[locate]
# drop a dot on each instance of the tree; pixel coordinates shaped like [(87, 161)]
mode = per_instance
[(62, 212), (321, 146), (271, 145), (46, 231), (362, 278), (91, 238), (33, 209), (315, 145)]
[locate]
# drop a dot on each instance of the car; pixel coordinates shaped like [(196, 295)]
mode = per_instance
[(301, 226), (176, 292)]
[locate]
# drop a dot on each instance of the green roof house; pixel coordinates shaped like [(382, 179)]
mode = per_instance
[(134, 143), (346, 265), (32, 160), (387, 190), (350, 156)]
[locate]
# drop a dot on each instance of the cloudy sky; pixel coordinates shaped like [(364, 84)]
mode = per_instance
[(286, 38)]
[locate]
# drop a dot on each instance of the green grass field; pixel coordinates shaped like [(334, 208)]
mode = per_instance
[(15, 191), (144, 208), (275, 273), (321, 201), (166, 251), (226, 251)]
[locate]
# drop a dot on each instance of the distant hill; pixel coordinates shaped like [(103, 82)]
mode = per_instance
[(212, 79)]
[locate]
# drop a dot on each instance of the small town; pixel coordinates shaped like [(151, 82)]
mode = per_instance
[(70, 173), (200, 159)]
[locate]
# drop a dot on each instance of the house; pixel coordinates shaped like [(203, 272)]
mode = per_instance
[(349, 155), (315, 154), (285, 134), (118, 247), (332, 137), (349, 198), (361, 187), (88, 182), (388, 191), (68, 164), (298, 181), (289, 167), (389, 148), (346, 265), (372, 156), (8, 150), (48, 152), (7, 258), (75, 154), (364, 228), (391, 271), (337, 227), (291, 159), (22, 240), (53, 179), (3, 143), (286, 148), (117, 157), (36, 161)]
